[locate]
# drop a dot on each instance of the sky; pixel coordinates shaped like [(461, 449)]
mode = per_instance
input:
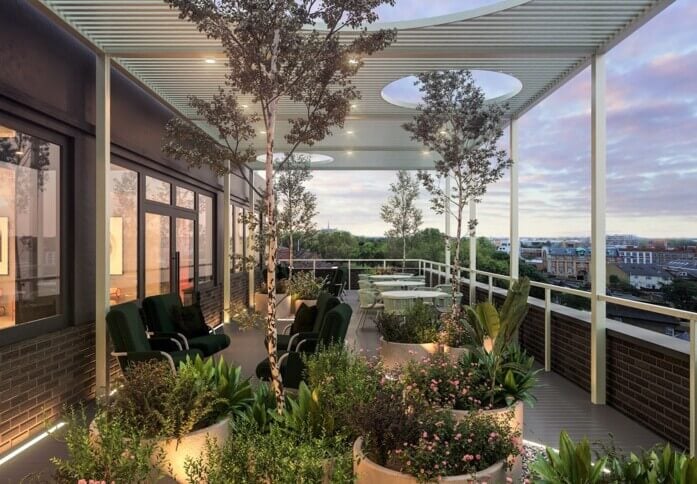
[(652, 145)]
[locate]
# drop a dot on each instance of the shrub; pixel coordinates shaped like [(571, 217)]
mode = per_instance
[(119, 453), (343, 380), (276, 456), (449, 448), (420, 324), (163, 404), (303, 285)]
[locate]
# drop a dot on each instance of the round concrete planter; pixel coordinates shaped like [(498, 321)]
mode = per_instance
[(368, 472), (396, 354), (454, 352), (308, 302), (283, 307), (190, 446), (516, 422), (175, 452)]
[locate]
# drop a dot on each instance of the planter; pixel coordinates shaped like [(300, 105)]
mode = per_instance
[(454, 352), (192, 446), (368, 472), (175, 452), (396, 354), (516, 423), (261, 300), (307, 302)]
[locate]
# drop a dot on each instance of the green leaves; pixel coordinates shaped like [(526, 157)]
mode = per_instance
[(571, 465)]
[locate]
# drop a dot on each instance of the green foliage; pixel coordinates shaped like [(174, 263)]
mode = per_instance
[(661, 464), (303, 285), (246, 317), (420, 324), (440, 382), (262, 410), (449, 448), (304, 414), (400, 211), (276, 456), (342, 381), (571, 465), (234, 393), (163, 404), (682, 294), (118, 452), (334, 245), (297, 207)]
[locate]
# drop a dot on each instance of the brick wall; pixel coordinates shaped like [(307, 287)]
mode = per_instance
[(212, 304), (650, 384), (41, 375), (239, 282)]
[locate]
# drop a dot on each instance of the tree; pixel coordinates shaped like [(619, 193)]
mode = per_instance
[(681, 294), (400, 212), (455, 122), (335, 245), (297, 207), (275, 49)]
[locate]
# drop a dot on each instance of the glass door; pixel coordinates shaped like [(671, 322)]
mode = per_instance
[(158, 254), (184, 256)]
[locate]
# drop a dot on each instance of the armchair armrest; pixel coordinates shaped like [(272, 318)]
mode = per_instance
[(140, 356), (307, 345), (183, 341), (165, 343), (299, 336), (287, 322)]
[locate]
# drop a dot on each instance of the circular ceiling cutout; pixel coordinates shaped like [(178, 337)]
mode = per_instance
[(407, 10), (315, 158), (497, 86)]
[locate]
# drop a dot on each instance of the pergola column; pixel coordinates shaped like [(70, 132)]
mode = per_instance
[(598, 254), (102, 216), (227, 247), (447, 226), (473, 254), (514, 211)]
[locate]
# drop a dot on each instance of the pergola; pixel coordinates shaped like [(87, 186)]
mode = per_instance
[(543, 43)]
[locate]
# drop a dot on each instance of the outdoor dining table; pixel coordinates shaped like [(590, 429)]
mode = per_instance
[(390, 277), (397, 284), (413, 294)]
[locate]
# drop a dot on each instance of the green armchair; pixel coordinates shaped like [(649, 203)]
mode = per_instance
[(132, 344), (293, 333), (332, 331), (161, 313)]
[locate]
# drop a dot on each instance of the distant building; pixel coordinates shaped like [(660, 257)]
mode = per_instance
[(622, 241), (572, 262), (504, 247), (683, 269), (640, 276), (654, 256)]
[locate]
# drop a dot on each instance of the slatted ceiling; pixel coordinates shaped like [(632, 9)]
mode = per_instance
[(541, 42)]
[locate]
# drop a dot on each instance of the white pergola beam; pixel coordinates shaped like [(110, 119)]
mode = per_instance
[(102, 217), (598, 254), (514, 209)]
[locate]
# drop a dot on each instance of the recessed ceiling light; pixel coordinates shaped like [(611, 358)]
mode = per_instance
[(210, 61), (443, 133), (349, 152), (353, 61), (349, 132), (354, 106), (19, 153), (262, 132), (245, 106), (425, 152)]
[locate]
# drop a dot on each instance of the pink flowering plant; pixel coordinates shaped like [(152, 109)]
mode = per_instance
[(446, 447)]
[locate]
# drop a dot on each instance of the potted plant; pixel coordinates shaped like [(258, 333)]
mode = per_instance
[(411, 336), (283, 306), (403, 442), (178, 413), (304, 288)]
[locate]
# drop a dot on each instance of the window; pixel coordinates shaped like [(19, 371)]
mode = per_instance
[(157, 254), (205, 239), (123, 225), (158, 190), (239, 237), (185, 198), (30, 231)]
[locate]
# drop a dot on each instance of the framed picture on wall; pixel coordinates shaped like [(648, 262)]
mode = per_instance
[(116, 246), (4, 246)]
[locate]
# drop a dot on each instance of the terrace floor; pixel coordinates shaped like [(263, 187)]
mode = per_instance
[(561, 406)]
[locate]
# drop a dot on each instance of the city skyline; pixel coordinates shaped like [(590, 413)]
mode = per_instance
[(652, 153)]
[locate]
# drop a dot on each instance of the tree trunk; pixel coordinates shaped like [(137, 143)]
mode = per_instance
[(404, 253), (455, 273), (290, 253)]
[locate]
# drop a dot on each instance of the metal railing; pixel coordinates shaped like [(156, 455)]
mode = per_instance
[(442, 270)]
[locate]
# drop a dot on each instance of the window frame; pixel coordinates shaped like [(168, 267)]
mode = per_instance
[(66, 226)]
